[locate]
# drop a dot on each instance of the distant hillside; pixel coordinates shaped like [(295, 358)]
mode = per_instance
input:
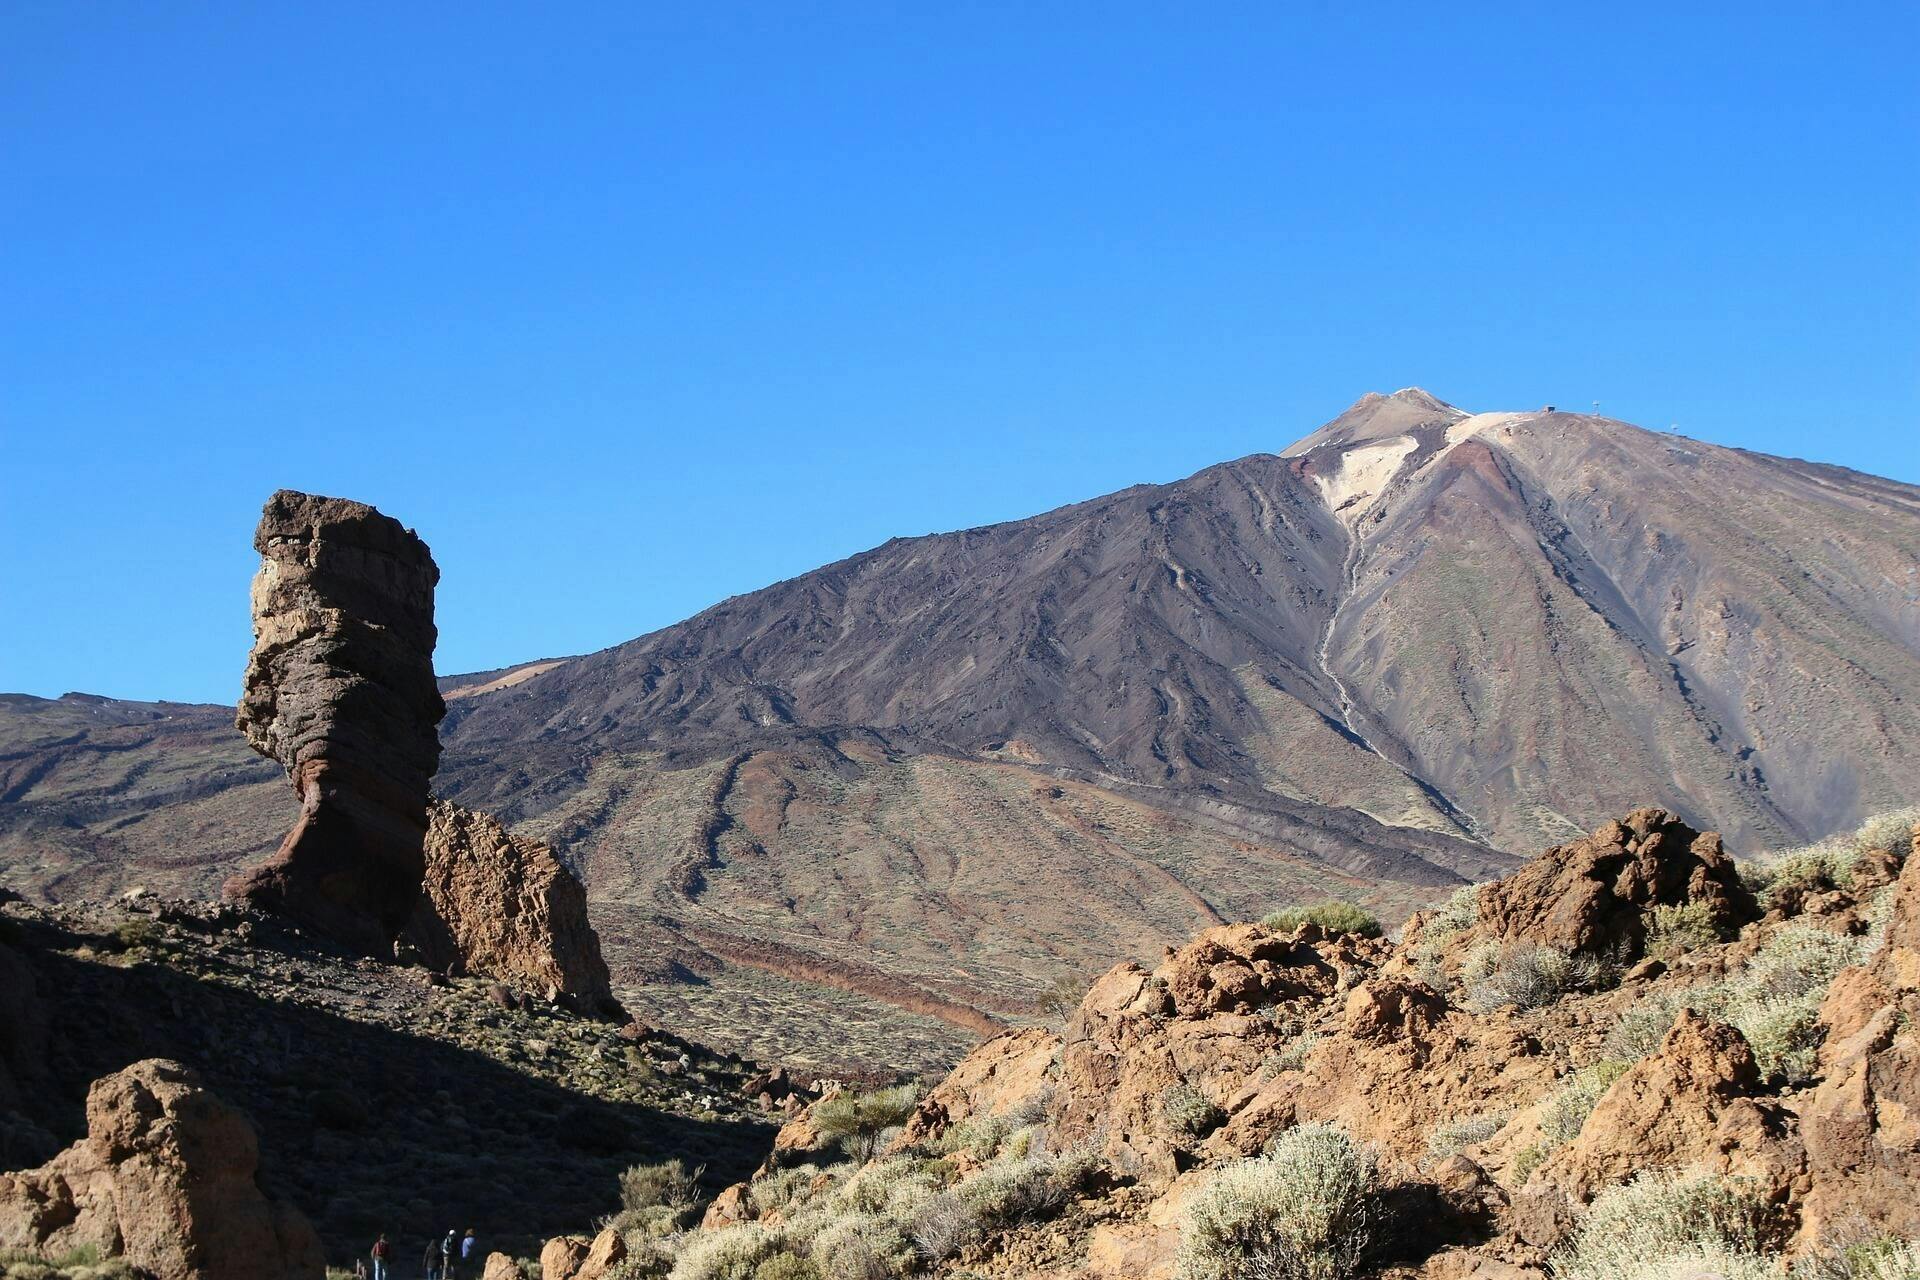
[(933, 776)]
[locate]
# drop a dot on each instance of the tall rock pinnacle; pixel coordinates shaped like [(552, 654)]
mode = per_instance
[(340, 690)]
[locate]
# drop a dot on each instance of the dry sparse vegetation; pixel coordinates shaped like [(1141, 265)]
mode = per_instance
[(1302, 1211), (1333, 916)]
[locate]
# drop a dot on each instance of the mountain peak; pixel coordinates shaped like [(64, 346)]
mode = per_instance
[(1422, 398)]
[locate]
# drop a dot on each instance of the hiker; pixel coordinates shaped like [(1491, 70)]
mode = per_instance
[(380, 1252), (450, 1255), (469, 1250), (430, 1260)]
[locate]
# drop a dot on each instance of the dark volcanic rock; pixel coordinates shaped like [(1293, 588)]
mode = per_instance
[(340, 691)]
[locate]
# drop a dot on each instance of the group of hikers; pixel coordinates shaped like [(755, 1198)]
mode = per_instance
[(455, 1258)]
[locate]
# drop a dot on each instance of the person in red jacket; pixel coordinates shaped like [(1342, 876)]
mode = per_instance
[(381, 1252)]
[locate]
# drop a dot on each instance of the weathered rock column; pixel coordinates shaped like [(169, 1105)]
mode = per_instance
[(340, 690)]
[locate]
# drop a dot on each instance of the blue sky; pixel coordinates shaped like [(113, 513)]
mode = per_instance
[(629, 308)]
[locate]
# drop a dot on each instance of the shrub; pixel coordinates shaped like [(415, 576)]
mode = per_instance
[(731, 1253), (1863, 1257), (135, 935), (1662, 1219), (1061, 1000), (1290, 1056), (1333, 916), (1529, 1158), (1569, 1106), (1188, 1113), (1890, 832), (1452, 1136), (778, 1191), (1642, 1027), (657, 1199), (1774, 999), (1455, 916), (856, 1120), (862, 1247), (941, 1226), (1682, 927), (1529, 976), (1302, 1211), (666, 1185), (786, 1266)]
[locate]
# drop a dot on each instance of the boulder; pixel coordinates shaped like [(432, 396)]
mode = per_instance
[(605, 1254), (165, 1179), (340, 690), (506, 907), (1009, 1071), (501, 1267), (562, 1256), (1592, 896), (1690, 1105)]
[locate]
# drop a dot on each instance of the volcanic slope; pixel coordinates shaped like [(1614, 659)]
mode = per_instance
[(923, 782)]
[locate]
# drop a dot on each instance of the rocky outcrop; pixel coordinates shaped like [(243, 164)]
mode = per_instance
[(1862, 1125), (505, 907), (165, 1179), (340, 690), (1493, 1123), (561, 1258), (1591, 896), (1691, 1105)]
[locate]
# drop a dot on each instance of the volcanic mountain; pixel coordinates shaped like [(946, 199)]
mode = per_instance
[(936, 775)]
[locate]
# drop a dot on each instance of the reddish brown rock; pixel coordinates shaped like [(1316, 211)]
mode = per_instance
[(165, 1179), (1011, 1070), (1591, 896), (1688, 1106), (605, 1254), (340, 690), (562, 1256), (501, 1267), (498, 905), (1862, 1124)]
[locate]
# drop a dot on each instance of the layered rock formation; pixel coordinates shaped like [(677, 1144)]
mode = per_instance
[(340, 690), (164, 1179), (502, 906)]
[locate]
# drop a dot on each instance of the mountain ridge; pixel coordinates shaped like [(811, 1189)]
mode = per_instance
[(934, 774)]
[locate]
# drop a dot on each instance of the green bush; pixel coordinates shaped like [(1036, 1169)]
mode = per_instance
[(1660, 1222), (1302, 1211), (786, 1266), (1186, 1112), (1290, 1056), (1453, 1136), (657, 1199), (1774, 999), (136, 935), (1525, 1162), (1568, 1107), (1680, 928), (1333, 916), (1642, 1027), (730, 1253), (856, 1120), (1527, 976)]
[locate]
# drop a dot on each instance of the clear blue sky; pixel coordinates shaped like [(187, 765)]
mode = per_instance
[(632, 307)]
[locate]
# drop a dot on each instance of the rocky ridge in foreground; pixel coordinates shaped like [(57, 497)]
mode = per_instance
[(1626, 1031)]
